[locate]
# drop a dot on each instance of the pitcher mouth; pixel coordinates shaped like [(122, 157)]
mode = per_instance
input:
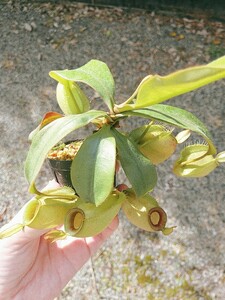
[(157, 218), (74, 221)]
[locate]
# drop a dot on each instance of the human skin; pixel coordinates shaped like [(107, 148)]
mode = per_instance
[(33, 268)]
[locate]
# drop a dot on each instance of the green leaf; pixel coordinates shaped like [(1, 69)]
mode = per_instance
[(218, 63), (176, 117), (139, 170), (93, 168), (96, 74), (155, 89), (50, 135)]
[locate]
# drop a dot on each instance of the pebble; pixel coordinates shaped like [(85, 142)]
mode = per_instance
[(28, 27)]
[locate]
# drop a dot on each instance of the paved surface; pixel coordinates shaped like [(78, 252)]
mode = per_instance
[(37, 38)]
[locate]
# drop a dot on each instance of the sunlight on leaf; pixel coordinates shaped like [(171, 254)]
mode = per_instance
[(96, 74), (93, 168), (50, 135), (177, 117), (155, 89), (139, 170)]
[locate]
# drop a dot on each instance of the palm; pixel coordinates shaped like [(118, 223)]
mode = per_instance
[(37, 269)]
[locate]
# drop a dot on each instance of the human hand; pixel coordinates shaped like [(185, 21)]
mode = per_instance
[(33, 268)]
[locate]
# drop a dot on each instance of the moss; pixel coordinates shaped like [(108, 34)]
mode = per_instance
[(126, 270), (148, 259), (156, 288), (144, 279), (215, 51), (164, 253)]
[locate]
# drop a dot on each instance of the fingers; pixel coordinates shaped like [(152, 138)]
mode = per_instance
[(79, 250)]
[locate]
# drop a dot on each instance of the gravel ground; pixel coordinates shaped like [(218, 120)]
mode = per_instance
[(37, 38)]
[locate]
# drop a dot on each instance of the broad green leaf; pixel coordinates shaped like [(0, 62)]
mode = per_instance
[(96, 74), (93, 168), (139, 170), (155, 89), (50, 135), (176, 117), (218, 63)]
